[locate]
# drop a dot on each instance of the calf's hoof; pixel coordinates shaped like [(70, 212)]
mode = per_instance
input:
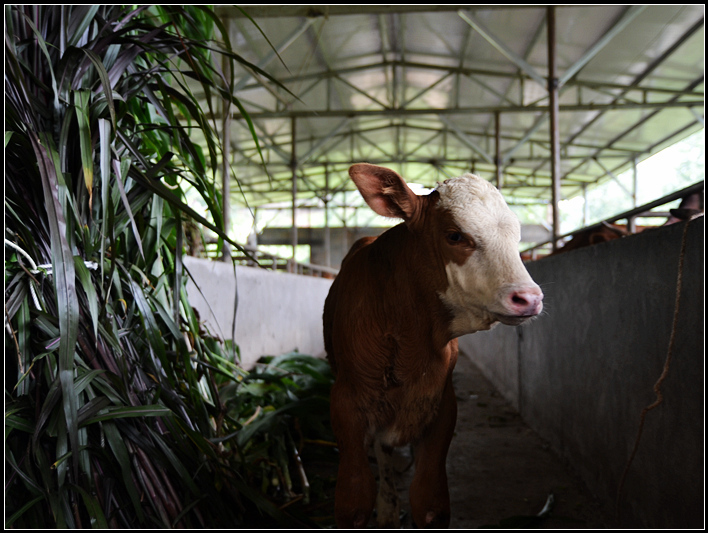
[(355, 519), (433, 520)]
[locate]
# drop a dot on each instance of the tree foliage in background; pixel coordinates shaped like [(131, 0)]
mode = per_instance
[(120, 411)]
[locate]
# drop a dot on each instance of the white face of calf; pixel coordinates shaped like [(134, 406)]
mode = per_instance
[(488, 282)]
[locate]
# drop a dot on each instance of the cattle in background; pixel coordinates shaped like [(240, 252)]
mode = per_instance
[(690, 207), (595, 235), (391, 322)]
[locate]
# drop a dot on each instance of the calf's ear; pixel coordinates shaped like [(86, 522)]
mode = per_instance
[(385, 191)]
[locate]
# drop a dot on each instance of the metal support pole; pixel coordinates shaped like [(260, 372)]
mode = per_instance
[(497, 156), (345, 231), (327, 241), (554, 109), (631, 221), (293, 166), (635, 181), (225, 167)]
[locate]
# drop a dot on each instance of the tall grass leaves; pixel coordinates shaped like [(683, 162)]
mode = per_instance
[(81, 105), (67, 303), (122, 411)]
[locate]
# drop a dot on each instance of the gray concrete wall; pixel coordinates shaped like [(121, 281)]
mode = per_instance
[(277, 312), (582, 373)]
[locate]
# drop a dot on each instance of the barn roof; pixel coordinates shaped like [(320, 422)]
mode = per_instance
[(434, 91)]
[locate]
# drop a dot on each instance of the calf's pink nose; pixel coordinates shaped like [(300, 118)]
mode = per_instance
[(525, 302)]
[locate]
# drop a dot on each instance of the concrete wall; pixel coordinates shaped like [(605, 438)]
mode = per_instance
[(277, 312), (582, 373)]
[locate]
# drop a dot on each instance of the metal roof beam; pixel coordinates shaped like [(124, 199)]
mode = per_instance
[(361, 91), (489, 89), (462, 136), (533, 129), (699, 118), (604, 86), (673, 48), (651, 148), (361, 136), (614, 178), (321, 142), (461, 62), (617, 152), (638, 79), (424, 91), (502, 48), (465, 71), (273, 53), (272, 145), (393, 112), (637, 124), (617, 28), (319, 10)]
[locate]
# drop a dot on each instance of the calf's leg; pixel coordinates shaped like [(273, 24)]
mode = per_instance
[(388, 508), (355, 493), (429, 495)]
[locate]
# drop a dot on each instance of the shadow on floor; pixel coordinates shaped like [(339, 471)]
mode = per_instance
[(500, 473)]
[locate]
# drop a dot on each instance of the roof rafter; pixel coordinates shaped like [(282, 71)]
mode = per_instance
[(426, 85)]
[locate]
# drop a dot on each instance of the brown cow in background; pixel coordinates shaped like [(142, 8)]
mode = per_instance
[(690, 206)]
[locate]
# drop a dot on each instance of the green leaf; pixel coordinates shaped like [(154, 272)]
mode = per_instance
[(120, 171), (105, 82), (23, 343), (93, 506), (120, 451), (114, 413), (81, 24), (104, 129), (19, 423), (11, 520), (65, 285), (81, 104), (269, 418), (87, 284), (160, 189), (154, 336)]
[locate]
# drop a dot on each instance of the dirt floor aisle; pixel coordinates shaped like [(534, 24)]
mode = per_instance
[(499, 470)]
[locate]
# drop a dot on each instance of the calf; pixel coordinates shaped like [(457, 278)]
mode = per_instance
[(595, 235), (391, 321)]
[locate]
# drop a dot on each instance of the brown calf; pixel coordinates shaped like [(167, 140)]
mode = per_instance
[(391, 321)]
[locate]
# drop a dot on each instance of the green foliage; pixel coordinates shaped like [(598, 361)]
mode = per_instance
[(120, 411)]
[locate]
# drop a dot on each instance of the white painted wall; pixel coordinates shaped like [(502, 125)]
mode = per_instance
[(277, 312)]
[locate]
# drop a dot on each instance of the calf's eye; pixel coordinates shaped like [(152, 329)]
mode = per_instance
[(455, 237)]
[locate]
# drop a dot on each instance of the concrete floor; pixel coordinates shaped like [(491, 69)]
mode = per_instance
[(500, 472)]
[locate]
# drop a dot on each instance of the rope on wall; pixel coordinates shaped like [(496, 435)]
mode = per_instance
[(665, 371)]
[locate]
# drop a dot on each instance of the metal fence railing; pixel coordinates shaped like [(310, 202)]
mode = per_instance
[(255, 257), (641, 211)]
